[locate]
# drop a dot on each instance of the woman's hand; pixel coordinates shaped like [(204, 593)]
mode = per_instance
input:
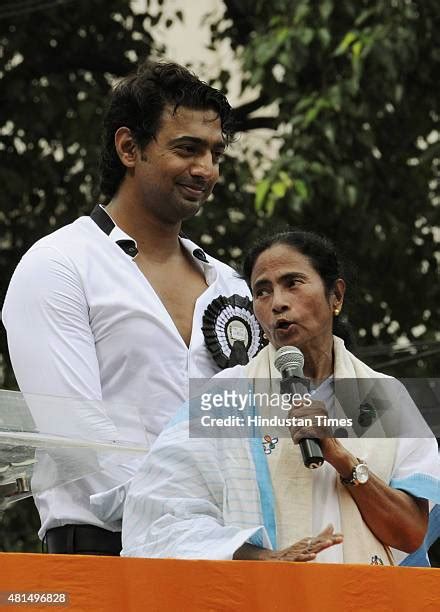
[(304, 550), (307, 548), (331, 448)]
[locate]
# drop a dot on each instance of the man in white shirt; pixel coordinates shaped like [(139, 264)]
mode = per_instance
[(111, 306)]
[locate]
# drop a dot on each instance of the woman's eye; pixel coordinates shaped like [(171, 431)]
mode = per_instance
[(293, 282)]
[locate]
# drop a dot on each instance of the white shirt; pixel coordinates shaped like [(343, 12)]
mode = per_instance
[(83, 321)]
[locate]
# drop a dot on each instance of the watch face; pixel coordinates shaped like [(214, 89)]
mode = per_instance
[(362, 473)]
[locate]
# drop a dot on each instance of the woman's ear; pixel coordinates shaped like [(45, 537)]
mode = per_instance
[(338, 295), (126, 147)]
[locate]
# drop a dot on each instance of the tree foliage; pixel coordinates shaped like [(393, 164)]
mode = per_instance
[(348, 92), (357, 122)]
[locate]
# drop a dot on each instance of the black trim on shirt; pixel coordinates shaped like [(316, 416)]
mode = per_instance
[(106, 224), (200, 254), (102, 219)]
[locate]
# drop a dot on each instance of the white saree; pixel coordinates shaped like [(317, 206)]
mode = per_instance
[(202, 498)]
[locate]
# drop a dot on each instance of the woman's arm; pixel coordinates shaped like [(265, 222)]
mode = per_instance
[(175, 503), (396, 518)]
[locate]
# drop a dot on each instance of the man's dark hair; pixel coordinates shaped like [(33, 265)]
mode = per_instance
[(137, 102), (323, 257)]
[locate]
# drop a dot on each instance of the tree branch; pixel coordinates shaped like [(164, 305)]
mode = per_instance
[(256, 123), (241, 112), (240, 12)]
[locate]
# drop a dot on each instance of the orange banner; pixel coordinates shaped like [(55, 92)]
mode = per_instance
[(168, 585)]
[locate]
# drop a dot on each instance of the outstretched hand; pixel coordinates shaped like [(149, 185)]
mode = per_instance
[(307, 548)]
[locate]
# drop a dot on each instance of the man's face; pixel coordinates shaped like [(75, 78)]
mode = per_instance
[(176, 172)]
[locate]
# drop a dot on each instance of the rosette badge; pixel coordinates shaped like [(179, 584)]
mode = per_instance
[(232, 333)]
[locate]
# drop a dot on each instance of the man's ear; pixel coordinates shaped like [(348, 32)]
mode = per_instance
[(126, 147), (338, 293)]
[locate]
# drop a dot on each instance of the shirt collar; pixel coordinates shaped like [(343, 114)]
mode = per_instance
[(104, 221), (201, 259)]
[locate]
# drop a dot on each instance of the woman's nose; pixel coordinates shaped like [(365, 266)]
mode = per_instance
[(279, 301)]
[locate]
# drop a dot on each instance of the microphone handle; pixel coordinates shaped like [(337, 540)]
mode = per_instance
[(311, 453), (310, 447)]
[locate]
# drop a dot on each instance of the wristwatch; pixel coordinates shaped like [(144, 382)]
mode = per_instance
[(359, 475)]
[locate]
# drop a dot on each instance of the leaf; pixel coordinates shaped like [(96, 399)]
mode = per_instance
[(285, 178), (348, 39), (325, 9), (267, 50), (334, 97), (275, 21), (317, 168), (306, 35), (325, 37), (357, 48), (281, 35), (311, 115), (261, 191), (304, 103), (301, 188), (351, 194), (329, 132), (301, 12), (365, 15), (270, 205), (257, 76), (278, 189)]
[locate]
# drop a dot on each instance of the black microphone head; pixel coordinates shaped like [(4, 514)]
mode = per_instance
[(289, 361)]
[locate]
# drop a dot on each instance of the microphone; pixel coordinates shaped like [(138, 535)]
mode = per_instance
[(289, 361)]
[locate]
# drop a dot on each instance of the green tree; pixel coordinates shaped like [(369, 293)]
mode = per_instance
[(357, 121)]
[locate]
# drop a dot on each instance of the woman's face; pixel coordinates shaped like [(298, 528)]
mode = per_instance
[(290, 300)]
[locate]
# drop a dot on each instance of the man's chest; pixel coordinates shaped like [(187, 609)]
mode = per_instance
[(178, 288)]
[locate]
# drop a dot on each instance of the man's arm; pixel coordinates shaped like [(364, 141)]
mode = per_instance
[(46, 316)]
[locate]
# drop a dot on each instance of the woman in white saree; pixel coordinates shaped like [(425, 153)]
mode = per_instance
[(228, 498)]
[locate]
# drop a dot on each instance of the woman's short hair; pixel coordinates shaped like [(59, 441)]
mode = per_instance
[(321, 253), (137, 101)]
